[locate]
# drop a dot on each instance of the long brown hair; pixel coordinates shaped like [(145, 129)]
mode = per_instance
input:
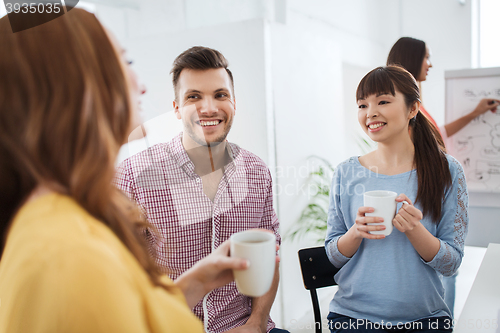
[(65, 110), (430, 160), (408, 53)]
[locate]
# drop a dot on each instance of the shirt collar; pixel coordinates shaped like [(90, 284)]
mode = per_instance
[(177, 151)]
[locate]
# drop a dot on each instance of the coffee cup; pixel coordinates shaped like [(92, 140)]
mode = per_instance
[(259, 248), (384, 203)]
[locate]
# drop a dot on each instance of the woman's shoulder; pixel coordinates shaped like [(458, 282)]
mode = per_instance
[(53, 227), (346, 169), (348, 163), (454, 165)]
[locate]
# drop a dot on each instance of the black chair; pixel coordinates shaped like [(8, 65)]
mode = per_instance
[(317, 272)]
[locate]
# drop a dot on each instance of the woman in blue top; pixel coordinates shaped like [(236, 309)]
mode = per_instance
[(392, 282)]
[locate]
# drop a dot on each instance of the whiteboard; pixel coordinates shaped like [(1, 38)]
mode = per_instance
[(476, 146)]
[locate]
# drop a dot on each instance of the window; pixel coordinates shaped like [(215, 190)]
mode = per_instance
[(489, 33)]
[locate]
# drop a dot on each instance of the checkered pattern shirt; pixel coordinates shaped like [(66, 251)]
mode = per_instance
[(162, 181)]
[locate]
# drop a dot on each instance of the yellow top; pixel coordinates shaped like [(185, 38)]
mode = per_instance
[(64, 271)]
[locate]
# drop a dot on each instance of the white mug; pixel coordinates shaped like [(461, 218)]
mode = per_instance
[(384, 203), (259, 248)]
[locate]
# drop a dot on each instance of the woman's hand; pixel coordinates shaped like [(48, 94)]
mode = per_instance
[(361, 228), (348, 244), (408, 216), (407, 220), (213, 271), (484, 105)]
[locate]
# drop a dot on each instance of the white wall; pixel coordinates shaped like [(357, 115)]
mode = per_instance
[(307, 90), (365, 31)]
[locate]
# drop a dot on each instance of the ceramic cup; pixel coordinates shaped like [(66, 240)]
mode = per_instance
[(259, 248), (384, 203)]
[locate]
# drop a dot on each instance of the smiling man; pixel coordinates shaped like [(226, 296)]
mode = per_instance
[(199, 189)]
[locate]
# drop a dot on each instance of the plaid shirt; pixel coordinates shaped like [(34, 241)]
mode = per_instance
[(162, 181)]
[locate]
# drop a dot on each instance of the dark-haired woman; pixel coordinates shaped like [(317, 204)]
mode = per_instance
[(393, 281), (414, 55), (73, 255)]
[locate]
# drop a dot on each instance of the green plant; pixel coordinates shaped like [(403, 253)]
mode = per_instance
[(312, 220), (364, 145), (314, 216)]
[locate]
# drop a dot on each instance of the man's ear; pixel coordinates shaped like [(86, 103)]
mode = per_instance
[(234, 106), (176, 110)]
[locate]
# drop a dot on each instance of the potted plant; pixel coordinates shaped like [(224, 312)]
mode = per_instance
[(314, 216)]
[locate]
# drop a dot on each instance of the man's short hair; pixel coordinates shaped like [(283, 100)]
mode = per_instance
[(198, 58)]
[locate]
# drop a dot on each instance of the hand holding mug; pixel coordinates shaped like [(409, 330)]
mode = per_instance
[(366, 224), (384, 205), (408, 216)]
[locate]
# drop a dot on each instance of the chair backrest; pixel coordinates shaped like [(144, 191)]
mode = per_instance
[(317, 272)]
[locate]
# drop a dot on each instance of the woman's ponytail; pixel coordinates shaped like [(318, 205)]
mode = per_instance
[(432, 166)]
